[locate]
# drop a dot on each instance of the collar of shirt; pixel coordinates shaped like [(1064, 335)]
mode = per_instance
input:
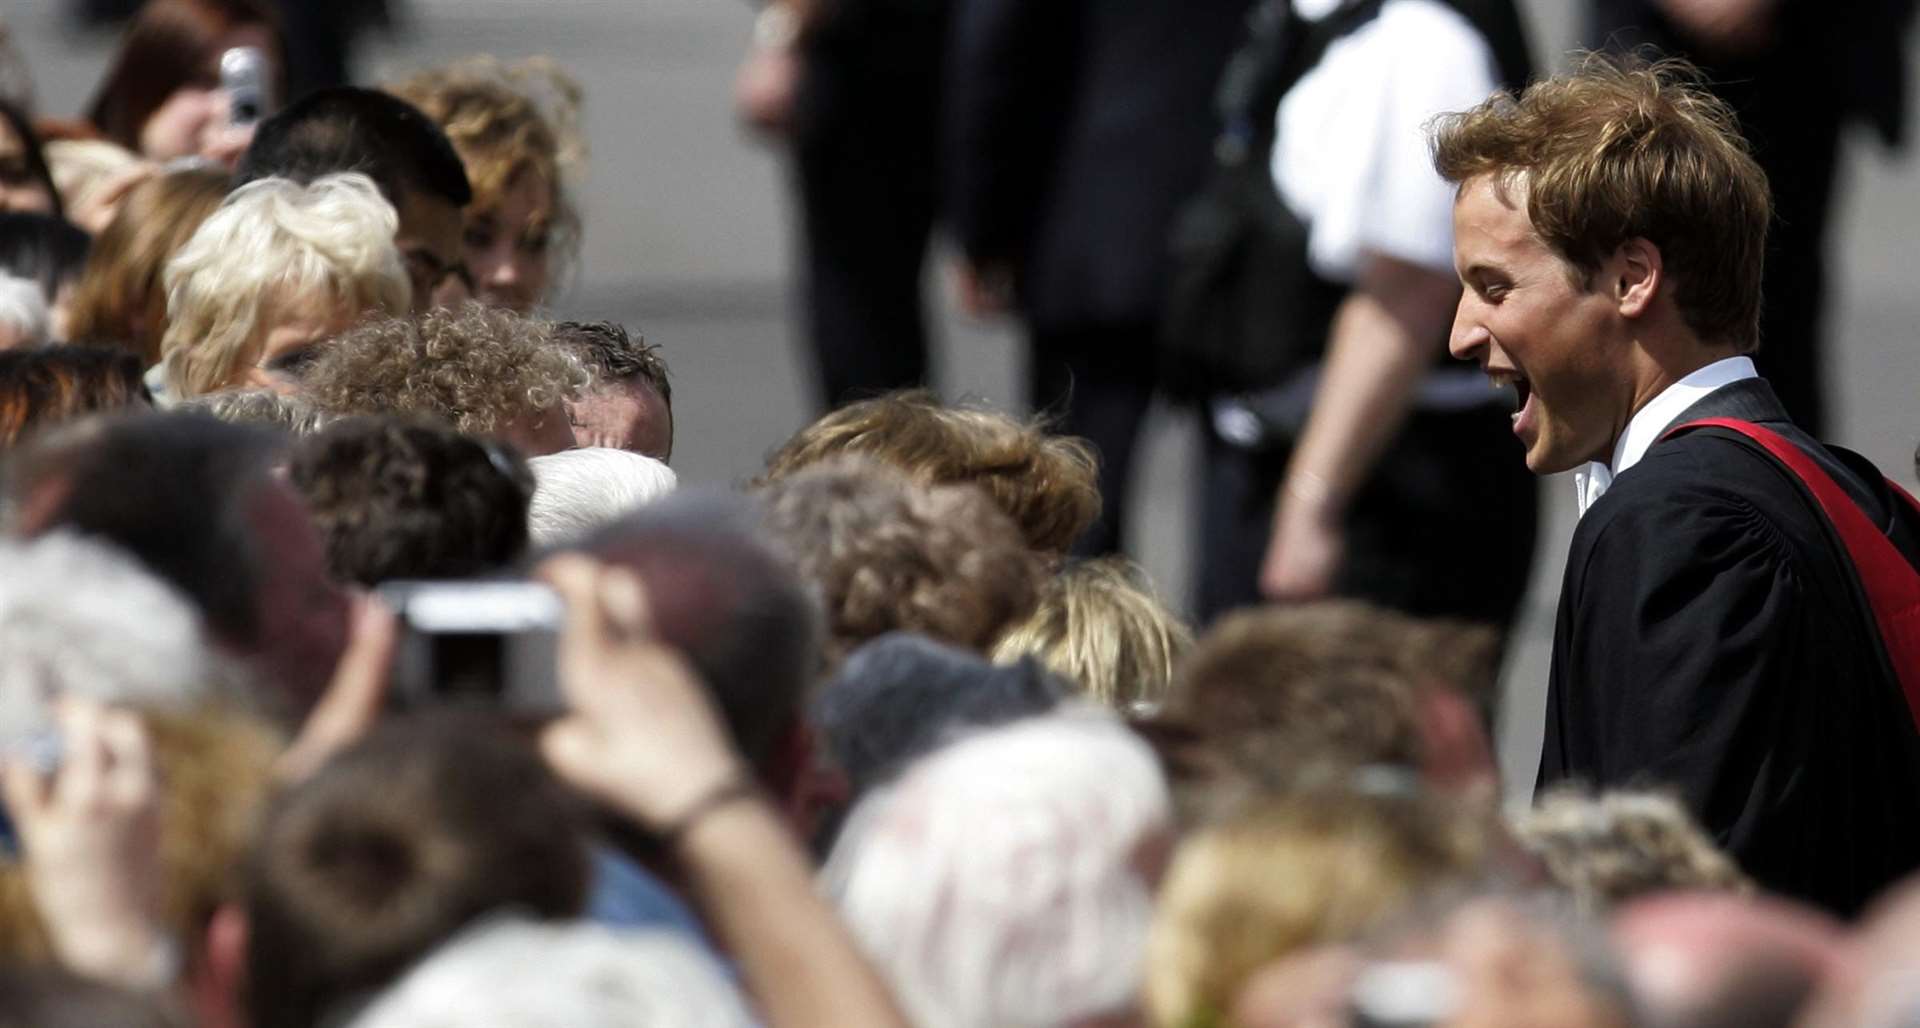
[(1643, 429)]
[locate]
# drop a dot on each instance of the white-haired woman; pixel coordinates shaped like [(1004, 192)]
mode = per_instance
[(279, 268)]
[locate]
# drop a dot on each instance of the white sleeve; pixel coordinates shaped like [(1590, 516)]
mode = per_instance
[(1365, 182)]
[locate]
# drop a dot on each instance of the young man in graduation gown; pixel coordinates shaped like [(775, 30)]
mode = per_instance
[(1713, 635)]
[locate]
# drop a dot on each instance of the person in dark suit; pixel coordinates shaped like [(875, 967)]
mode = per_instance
[(1797, 73), (1075, 129), (854, 86), (1713, 636)]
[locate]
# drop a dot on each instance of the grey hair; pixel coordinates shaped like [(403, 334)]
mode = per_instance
[(264, 407), (994, 885), (522, 974), (78, 617), (578, 491)]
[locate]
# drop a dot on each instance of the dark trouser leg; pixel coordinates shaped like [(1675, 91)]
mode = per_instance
[(1097, 382), (1444, 528), (1797, 141), (867, 199)]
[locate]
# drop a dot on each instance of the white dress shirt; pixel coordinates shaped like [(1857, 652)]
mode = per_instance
[(1644, 428)]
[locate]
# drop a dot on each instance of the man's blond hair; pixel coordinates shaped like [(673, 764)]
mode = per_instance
[(1622, 149)]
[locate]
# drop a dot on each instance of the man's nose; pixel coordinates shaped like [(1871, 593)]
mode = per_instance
[(1468, 338)]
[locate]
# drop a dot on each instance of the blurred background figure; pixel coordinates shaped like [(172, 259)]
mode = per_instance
[(1073, 131), (166, 95), (121, 300), (51, 252), (854, 89), (1798, 75), (516, 127), (26, 184)]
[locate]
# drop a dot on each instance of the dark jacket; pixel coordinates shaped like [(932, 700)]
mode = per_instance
[(1713, 639), (1075, 129)]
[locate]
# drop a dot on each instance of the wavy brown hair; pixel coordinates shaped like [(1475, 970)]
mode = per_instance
[(1621, 149), (1046, 483), (885, 554), (55, 384)]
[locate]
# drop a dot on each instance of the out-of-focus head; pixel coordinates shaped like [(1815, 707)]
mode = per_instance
[(629, 406), (79, 618), (195, 501), (265, 408), (120, 299), (741, 617), (484, 371), (884, 554), (1006, 880), (162, 96), (93, 177), (1321, 865), (215, 766), (397, 499), (1269, 691), (1711, 960), (578, 491), (1607, 849), (1099, 624), (25, 182), (44, 387), (421, 830), (1046, 483), (25, 320), (280, 268), (51, 252), (1878, 984), (902, 695), (587, 976), (515, 126), (406, 155)]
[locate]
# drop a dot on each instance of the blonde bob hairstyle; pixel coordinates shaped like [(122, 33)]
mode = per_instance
[(272, 247)]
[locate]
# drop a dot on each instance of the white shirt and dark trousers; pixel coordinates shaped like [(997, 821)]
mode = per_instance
[(1445, 525)]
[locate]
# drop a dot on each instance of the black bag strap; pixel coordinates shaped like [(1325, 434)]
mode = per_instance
[(1281, 48)]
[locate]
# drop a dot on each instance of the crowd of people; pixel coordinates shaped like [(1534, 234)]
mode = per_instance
[(363, 661)]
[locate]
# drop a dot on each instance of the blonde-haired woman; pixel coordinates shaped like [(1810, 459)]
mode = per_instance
[(277, 269), (515, 128)]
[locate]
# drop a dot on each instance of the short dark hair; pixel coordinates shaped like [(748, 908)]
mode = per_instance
[(54, 384), (613, 354), (399, 499), (46, 248), (395, 846), (903, 695), (170, 489), (351, 129), (742, 618), (36, 156)]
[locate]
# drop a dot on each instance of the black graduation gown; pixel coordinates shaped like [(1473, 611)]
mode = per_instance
[(1713, 640)]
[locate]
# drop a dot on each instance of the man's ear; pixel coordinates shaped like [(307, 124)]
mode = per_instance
[(1636, 276)]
